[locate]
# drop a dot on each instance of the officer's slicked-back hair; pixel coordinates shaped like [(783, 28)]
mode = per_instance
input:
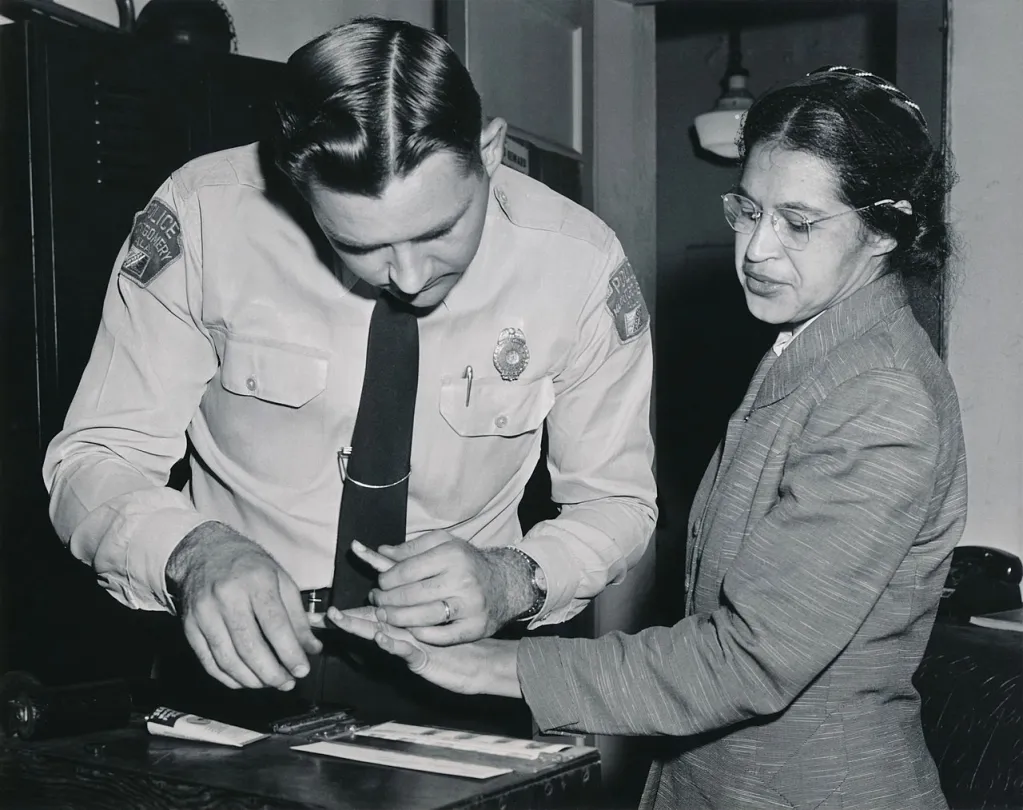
[(369, 101)]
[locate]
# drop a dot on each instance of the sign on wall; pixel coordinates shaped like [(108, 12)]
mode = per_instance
[(516, 155)]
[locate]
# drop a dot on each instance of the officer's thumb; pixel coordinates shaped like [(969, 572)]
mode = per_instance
[(415, 547)]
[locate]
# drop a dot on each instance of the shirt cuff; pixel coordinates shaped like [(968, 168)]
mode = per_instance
[(147, 559), (560, 569), (147, 525)]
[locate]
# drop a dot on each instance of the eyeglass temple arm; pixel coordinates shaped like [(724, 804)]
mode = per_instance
[(850, 211)]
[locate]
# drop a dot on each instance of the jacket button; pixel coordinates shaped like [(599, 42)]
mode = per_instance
[(250, 383), (501, 421)]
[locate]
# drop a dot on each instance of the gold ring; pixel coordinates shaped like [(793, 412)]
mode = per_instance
[(447, 611)]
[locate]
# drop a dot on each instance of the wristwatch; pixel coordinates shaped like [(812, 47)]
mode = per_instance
[(537, 585)]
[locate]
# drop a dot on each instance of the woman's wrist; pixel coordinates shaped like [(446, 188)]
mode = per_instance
[(501, 657)]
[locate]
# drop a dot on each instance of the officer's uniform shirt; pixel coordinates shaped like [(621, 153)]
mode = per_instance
[(221, 318)]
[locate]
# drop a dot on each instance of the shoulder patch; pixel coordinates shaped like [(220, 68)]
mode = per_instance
[(625, 303), (155, 243)]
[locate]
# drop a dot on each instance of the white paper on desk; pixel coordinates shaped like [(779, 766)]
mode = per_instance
[(400, 759), (462, 740)]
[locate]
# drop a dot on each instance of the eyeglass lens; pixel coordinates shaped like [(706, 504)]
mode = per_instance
[(742, 215)]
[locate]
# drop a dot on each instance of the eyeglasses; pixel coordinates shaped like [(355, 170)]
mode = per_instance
[(793, 229)]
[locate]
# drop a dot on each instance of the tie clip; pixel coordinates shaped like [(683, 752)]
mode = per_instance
[(342, 462), (344, 454)]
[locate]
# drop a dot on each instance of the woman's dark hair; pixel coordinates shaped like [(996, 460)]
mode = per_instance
[(875, 140), (370, 100)]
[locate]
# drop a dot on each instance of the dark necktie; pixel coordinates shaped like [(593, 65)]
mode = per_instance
[(375, 495)]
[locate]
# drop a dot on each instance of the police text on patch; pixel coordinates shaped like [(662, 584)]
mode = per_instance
[(625, 303), (155, 243)]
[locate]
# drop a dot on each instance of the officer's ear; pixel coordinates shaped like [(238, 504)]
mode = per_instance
[(492, 145)]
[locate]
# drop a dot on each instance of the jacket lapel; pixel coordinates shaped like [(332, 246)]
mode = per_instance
[(847, 320)]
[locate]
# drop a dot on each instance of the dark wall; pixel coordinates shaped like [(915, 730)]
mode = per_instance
[(707, 343), (92, 124)]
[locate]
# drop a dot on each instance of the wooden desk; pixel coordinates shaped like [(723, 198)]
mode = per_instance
[(130, 769)]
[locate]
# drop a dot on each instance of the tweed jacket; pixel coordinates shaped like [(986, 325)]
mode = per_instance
[(819, 541)]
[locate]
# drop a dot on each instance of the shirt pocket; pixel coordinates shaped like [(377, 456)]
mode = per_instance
[(495, 407), (490, 446), (267, 415), (281, 374)]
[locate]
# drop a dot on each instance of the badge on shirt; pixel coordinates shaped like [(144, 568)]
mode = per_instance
[(155, 243), (625, 303), (511, 355)]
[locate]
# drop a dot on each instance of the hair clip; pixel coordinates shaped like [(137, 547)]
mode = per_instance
[(878, 82)]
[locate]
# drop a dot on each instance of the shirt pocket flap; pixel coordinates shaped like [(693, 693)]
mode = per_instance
[(284, 374), (496, 407)]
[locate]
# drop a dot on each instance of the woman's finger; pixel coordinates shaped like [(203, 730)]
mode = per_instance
[(363, 626), (372, 630), (414, 656)]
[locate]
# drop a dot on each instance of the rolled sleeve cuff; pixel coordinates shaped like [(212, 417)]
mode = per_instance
[(561, 570), (159, 534), (544, 680), (128, 541)]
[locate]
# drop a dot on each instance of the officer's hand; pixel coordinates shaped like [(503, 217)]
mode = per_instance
[(242, 614), (444, 589), (481, 667)]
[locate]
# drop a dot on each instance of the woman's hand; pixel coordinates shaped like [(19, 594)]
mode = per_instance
[(481, 667)]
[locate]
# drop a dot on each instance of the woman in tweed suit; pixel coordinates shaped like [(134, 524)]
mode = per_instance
[(821, 534)]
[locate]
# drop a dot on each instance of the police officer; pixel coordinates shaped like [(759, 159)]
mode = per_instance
[(238, 316)]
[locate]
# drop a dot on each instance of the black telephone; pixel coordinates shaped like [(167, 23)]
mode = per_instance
[(981, 580)]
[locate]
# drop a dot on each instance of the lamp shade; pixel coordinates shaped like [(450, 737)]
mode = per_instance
[(718, 131)]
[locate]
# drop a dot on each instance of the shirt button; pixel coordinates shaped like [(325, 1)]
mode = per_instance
[(501, 421), (250, 383), (501, 196)]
